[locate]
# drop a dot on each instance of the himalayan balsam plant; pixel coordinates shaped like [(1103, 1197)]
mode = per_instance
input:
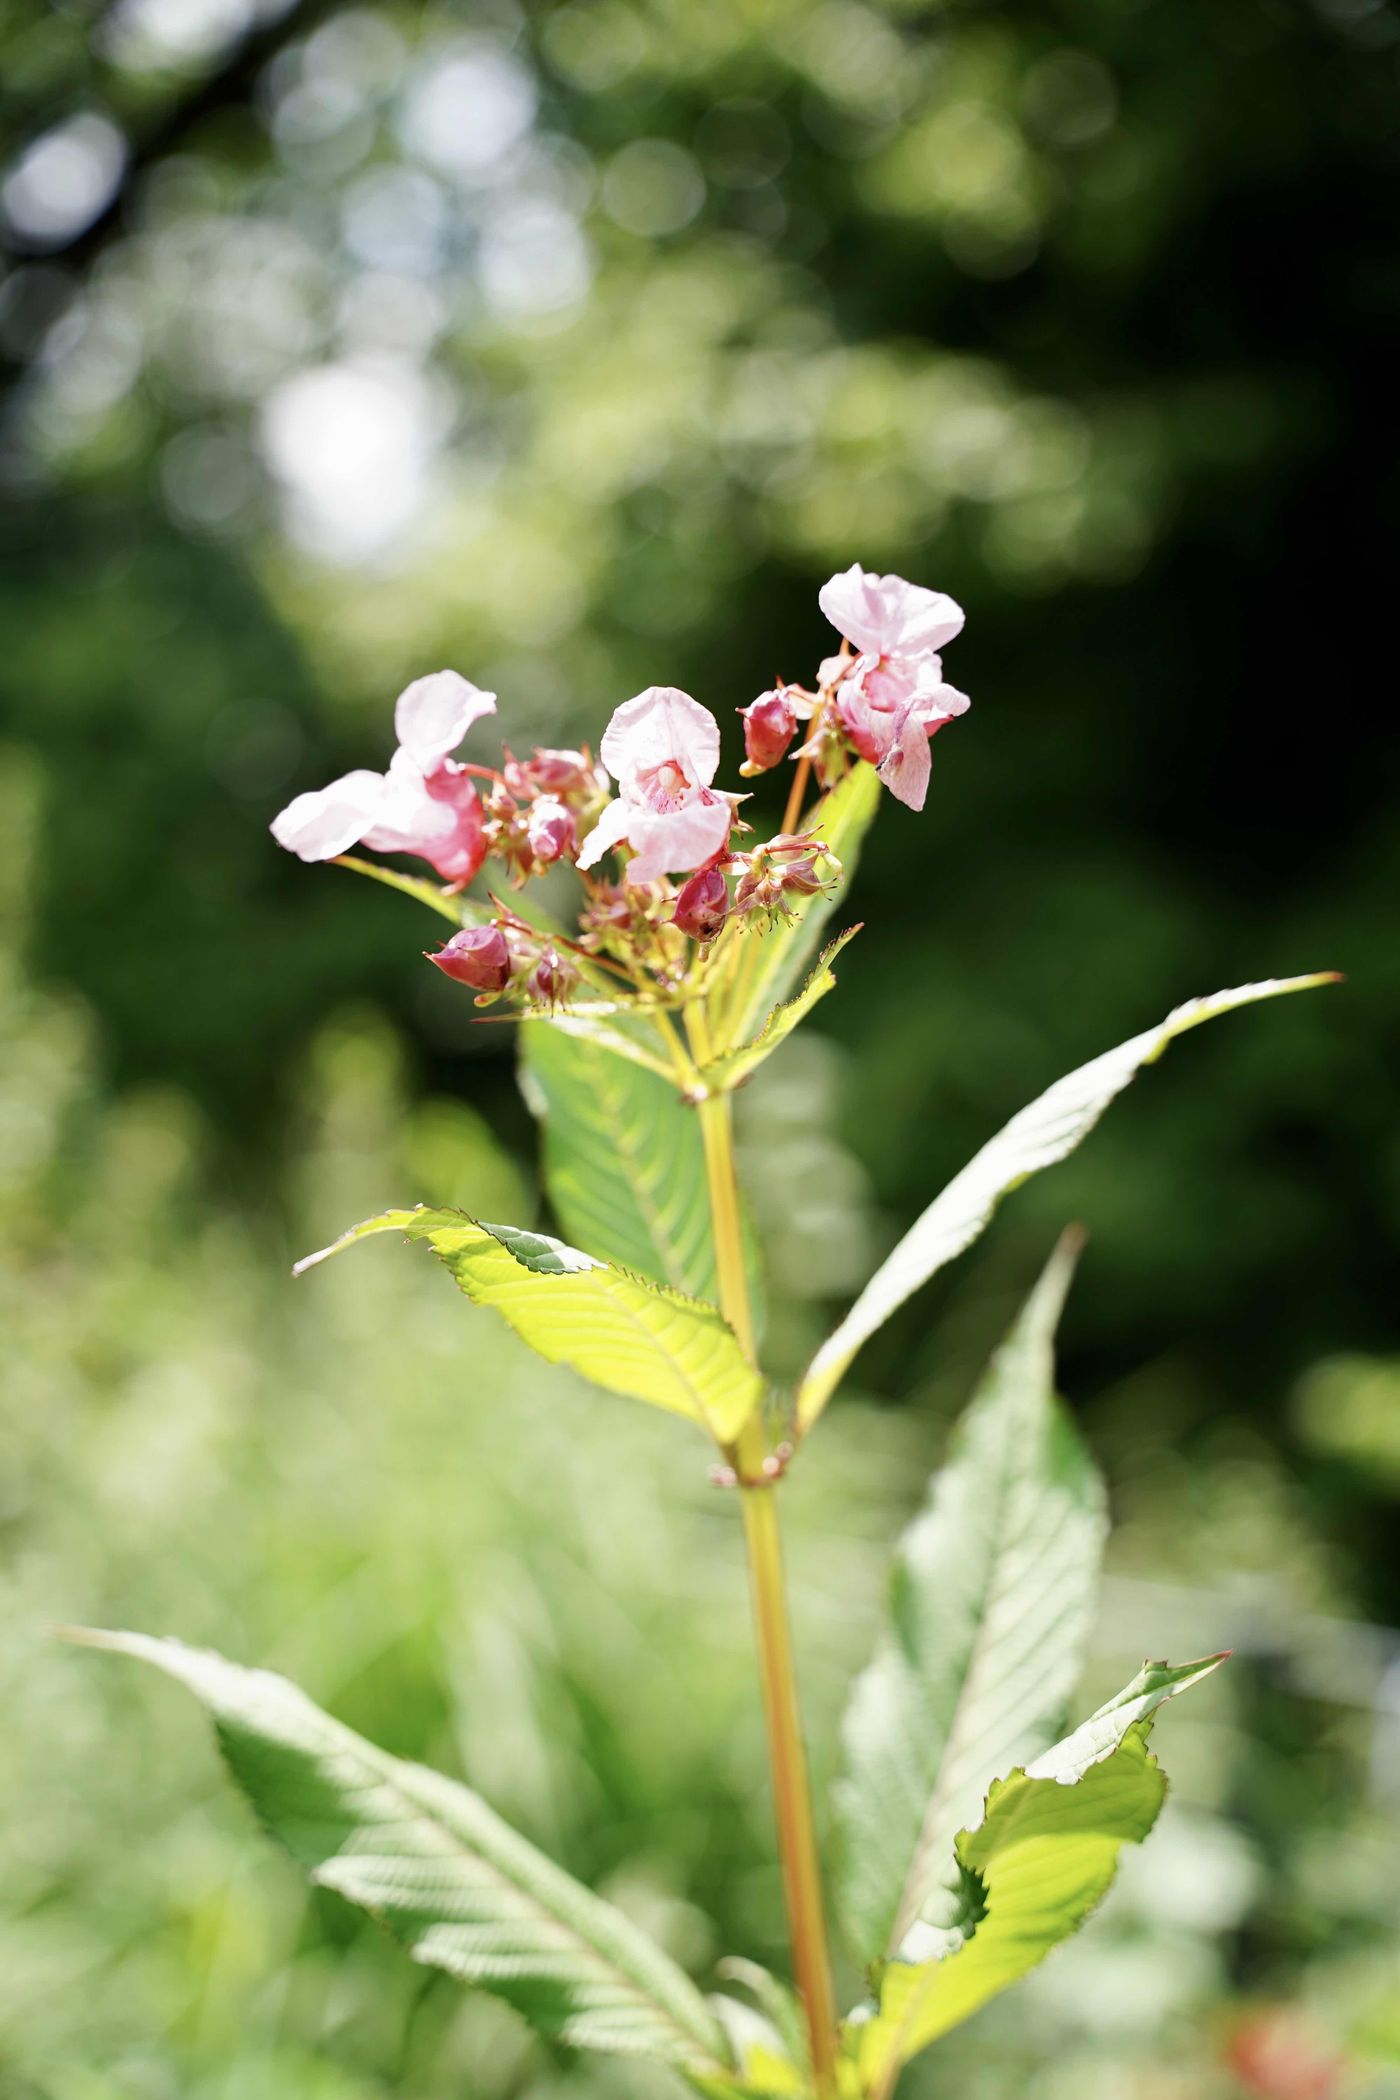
[(972, 1833)]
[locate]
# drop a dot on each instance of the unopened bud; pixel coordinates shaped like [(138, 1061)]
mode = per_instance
[(703, 905), (550, 829), (770, 725), (477, 956), (551, 979)]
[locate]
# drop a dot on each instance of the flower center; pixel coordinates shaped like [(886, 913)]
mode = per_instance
[(664, 784)]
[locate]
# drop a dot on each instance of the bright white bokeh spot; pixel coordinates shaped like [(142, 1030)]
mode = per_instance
[(465, 112), (352, 446), (154, 35), (653, 188), (533, 260), (63, 180)]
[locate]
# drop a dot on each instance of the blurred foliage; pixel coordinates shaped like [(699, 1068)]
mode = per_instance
[(574, 345)]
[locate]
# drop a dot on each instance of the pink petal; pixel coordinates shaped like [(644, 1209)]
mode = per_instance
[(409, 819), (672, 842), (888, 616), (935, 702), (325, 821), (660, 727), (432, 715), (609, 831), (905, 767)]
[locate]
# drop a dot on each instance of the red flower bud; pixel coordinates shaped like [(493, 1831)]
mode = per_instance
[(550, 828), (477, 956), (770, 725), (703, 905), (552, 978)]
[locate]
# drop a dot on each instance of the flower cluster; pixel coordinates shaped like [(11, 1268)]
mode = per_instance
[(880, 699)]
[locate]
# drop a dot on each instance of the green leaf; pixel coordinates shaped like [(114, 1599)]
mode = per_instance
[(608, 1025), (724, 1073), (623, 1332), (1042, 1857), (1041, 1135), (433, 1863), (624, 1161), (767, 961), (991, 1602)]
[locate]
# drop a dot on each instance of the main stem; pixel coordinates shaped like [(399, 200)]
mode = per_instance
[(787, 1756)]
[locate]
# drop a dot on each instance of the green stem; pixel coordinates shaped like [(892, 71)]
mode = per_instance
[(792, 1794)]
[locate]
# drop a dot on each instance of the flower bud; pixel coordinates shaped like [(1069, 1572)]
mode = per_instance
[(550, 829), (552, 978), (477, 956), (770, 724), (703, 905)]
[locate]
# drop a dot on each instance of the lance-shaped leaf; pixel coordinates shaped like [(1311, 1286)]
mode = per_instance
[(619, 1330), (1042, 1857), (624, 1161), (767, 961), (722, 1074), (433, 1863), (608, 1025), (1042, 1134), (991, 1602)]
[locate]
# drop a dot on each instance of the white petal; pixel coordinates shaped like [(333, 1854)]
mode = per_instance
[(935, 701), (408, 817), (432, 715), (906, 765), (660, 724), (888, 616), (609, 831), (325, 821), (672, 842)]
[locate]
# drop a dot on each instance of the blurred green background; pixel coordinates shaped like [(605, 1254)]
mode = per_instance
[(574, 346)]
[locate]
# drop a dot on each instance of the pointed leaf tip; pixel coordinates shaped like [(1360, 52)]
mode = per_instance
[(1039, 1136)]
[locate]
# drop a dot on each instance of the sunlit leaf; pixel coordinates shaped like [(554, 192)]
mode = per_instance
[(991, 1601), (624, 1161), (762, 963), (619, 1330), (1043, 1855), (428, 1858), (1042, 1134), (731, 1070), (609, 1026)]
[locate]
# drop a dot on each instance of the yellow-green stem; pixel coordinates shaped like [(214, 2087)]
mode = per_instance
[(792, 1794)]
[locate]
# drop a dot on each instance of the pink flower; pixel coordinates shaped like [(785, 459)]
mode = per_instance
[(662, 750), (478, 956), (425, 804), (770, 724), (890, 711), (893, 696), (885, 616)]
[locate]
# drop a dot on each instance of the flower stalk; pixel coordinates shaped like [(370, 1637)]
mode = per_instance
[(787, 1755)]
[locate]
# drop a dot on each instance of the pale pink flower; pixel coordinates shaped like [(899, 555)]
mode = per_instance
[(890, 711), (425, 804), (893, 696), (662, 749)]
